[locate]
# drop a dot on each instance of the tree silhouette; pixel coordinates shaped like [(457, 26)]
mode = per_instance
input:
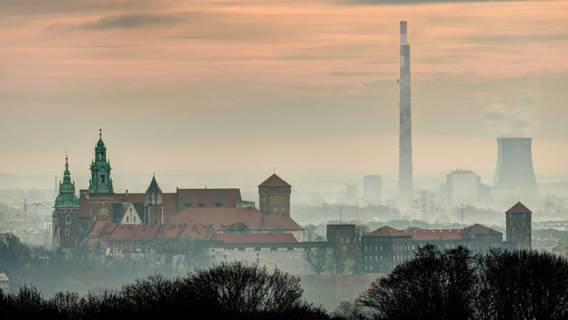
[(434, 285), (523, 285)]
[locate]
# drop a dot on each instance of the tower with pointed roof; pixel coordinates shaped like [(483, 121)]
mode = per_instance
[(101, 182), (274, 196), (66, 228), (519, 227), (153, 205)]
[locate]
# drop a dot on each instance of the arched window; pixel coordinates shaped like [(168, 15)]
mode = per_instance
[(68, 219), (67, 232)]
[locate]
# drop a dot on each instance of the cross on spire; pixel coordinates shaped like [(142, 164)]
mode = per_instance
[(100, 133), (66, 159)]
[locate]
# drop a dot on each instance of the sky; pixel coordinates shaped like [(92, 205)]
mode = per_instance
[(301, 87)]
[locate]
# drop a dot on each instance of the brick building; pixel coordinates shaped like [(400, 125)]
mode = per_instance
[(519, 228), (102, 218), (386, 247)]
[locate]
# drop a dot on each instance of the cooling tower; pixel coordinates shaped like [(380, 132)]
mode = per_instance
[(515, 172)]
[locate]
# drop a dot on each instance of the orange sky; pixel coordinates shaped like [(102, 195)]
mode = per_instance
[(305, 86)]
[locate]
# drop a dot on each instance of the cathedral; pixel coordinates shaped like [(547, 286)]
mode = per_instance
[(101, 217)]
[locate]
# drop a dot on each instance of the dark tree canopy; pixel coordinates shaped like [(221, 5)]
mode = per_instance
[(235, 291), (434, 285), (523, 285), (454, 284)]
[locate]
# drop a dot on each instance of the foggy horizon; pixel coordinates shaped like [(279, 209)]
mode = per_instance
[(308, 88)]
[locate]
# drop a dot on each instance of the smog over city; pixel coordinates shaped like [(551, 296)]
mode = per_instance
[(284, 159)]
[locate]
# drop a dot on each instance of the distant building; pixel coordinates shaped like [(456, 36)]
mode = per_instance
[(101, 219), (464, 187), (519, 228), (4, 282), (274, 196), (386, 247), (373, 189), (342, 238), (272, 250)]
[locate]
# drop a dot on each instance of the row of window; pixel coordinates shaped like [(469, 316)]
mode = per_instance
[(394, 248), (202, 205)]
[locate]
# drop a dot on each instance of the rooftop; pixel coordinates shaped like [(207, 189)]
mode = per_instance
[(274, 181), (519, 208)]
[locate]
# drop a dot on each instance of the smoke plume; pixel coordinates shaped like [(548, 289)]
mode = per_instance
[(512, 117)]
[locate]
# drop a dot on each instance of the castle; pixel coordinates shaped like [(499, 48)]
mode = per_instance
[(101, 218)]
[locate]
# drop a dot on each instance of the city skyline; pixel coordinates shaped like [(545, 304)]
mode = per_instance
[(307, 88)]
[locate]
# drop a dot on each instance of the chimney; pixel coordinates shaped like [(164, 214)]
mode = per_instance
[(405, 139)]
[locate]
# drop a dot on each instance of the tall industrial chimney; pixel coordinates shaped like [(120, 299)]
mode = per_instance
[(405, 142), (515, 172)]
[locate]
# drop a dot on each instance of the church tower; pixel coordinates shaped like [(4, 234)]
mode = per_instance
[(153, 208), (101, 182), (274, 196), (66, 230)]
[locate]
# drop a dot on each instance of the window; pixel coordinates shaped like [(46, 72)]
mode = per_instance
[(102, 178), (68, 219), (67, 232), (201, 204), (218, 204), (188, 204)]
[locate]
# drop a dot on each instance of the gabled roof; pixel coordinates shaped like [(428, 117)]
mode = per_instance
[(519, 208), (479, 229), (221, 218), (274, 181), (154, 187), (387, 231)]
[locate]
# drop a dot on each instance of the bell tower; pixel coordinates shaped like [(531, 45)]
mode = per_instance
[(101, 182), (66, 229), (274, 196), (153, 208)]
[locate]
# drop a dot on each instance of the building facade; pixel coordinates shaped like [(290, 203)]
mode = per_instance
[(274, 196), (519, 227), (102, 218), (386, 247)]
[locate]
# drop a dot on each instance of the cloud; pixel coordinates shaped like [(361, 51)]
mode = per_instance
[(41, 7), (132, 21), (405, 2), (519, 38)]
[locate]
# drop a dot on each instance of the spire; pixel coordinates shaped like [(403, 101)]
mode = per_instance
[(66, 196), (154, 187), (66, 172), (100, 143), (101, 181)]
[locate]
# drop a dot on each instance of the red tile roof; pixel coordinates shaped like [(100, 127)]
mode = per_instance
[(274, 221), (387, 231), (274, 181), (134, 233), (519, 208), (209, 198), (221, 218), (478, 229), (255, 238)]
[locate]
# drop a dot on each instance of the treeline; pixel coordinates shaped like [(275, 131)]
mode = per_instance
[(450, 284), (454, 284), (230, 291)]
